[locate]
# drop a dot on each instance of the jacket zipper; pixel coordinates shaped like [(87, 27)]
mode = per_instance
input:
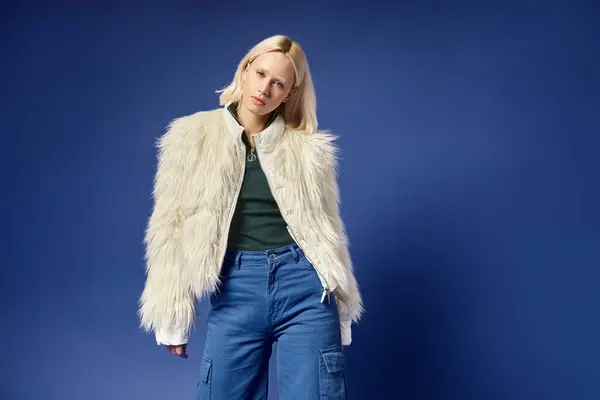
[(232, 209), (252, 156), (325, 289)]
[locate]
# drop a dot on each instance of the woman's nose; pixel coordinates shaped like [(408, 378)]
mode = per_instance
[(264, 90)]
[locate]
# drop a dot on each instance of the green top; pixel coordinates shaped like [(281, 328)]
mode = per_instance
[(257, 223)]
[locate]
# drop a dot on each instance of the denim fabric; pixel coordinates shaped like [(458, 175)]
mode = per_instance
[(267, 296)]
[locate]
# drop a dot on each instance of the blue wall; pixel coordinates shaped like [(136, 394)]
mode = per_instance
[(469, 180)]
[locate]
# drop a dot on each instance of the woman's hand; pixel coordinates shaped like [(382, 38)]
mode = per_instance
[(179, 350)]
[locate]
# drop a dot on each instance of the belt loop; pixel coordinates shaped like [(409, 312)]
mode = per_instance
[(295, 253), (238, 260)]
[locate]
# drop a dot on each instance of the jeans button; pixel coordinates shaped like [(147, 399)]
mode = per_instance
[(271, 256)]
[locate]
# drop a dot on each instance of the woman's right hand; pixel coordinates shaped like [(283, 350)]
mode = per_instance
[(178, 350)]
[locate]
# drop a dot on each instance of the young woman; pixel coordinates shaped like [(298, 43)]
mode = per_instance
[(246, 212)]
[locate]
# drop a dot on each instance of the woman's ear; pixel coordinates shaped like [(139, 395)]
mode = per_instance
[(245, 71)]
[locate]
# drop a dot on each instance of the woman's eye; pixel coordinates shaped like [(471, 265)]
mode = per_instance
[(260, 73)]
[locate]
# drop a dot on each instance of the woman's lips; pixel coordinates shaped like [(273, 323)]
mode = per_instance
[(258, 101)]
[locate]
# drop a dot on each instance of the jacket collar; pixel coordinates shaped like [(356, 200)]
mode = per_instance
[(273, 130)]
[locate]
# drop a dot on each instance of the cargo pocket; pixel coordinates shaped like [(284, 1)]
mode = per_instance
[(332, 374), (203, 389)]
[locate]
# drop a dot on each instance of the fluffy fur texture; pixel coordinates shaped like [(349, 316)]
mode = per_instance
[(200, 161)]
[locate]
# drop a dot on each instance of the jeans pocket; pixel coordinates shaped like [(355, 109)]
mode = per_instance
[(305, 263), (204, 385), (332, 377)]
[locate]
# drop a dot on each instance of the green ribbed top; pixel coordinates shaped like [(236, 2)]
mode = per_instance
[(257, 223)]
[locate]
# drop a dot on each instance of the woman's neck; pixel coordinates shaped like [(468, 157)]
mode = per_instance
[(251, 122)]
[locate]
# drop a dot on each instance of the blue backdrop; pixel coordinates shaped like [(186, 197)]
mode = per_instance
[(469, 136)]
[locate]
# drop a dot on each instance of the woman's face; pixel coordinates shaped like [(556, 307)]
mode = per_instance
[(267, 82)]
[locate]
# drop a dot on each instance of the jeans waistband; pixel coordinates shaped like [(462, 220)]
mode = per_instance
[(234, 259), (257, 256)]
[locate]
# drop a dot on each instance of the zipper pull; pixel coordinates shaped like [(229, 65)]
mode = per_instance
[(325, 294), (252, 155)]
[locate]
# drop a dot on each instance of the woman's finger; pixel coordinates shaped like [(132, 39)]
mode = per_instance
[(181, 351)]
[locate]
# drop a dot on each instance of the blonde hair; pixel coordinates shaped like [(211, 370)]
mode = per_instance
[(300, 111)]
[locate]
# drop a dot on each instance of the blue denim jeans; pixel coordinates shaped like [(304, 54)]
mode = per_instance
[(271, 296)]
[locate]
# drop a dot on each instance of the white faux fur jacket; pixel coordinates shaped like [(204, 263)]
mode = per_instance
[(198, 178)]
